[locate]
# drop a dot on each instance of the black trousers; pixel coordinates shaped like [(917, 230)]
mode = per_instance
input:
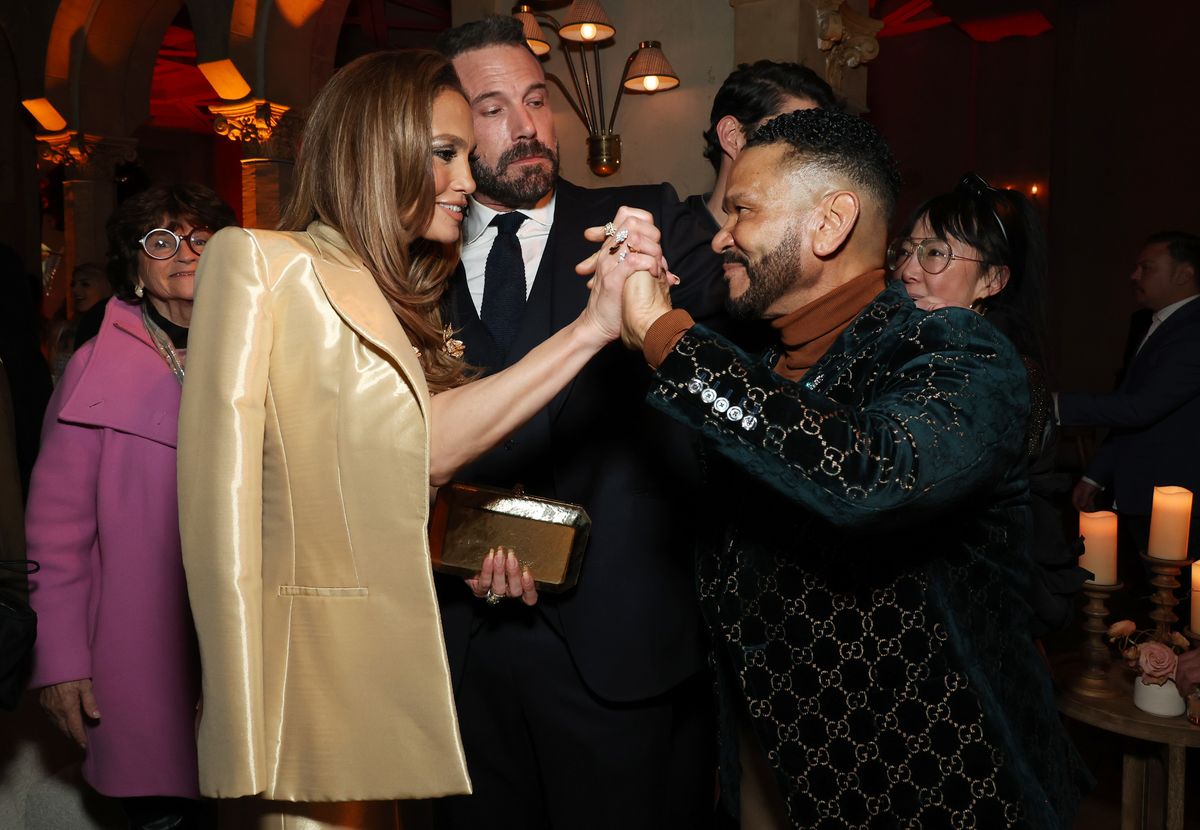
[(544, 752)]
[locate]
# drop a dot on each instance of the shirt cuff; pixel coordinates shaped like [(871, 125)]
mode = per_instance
[(1092, 482), (663, 334)]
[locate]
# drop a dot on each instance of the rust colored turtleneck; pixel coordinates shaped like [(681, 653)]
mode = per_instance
[(806, 333), (809, 331)]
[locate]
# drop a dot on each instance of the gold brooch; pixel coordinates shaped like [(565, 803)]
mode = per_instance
[(454, 347)]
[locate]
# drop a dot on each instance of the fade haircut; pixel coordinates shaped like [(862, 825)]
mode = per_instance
[(840, 142), (494, 30), (755, 91), (1183, 247)]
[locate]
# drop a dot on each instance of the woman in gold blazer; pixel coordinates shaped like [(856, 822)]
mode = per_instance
[(308, 440)]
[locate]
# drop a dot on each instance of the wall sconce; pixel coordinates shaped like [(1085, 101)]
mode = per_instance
[(584, 26)]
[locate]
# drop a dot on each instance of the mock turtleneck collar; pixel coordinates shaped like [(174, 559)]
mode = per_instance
[(808, 332)]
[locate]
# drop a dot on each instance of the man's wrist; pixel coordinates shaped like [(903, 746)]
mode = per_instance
[(663, 333)]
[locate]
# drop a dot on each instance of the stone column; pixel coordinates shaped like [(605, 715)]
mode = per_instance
[(267, 132), (834, 37), (89, 197)]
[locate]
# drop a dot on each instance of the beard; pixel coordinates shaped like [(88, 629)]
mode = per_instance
[(768, 279), (524, 188)]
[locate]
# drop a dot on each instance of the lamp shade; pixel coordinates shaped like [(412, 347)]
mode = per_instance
[(586, 22), (650, 70), (533, 30)]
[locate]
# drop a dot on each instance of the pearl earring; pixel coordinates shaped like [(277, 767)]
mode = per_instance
[(137, 289)]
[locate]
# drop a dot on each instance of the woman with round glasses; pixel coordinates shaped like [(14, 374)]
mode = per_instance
[(116, 656), (982, 248)]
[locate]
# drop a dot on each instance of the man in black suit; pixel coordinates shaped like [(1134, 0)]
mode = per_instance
[(1154, 412), (589, 709)]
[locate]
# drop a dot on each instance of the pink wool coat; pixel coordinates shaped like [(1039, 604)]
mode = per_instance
[(111, 598)]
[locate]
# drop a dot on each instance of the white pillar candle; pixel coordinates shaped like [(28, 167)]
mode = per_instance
[(1169, 522), (1099, 532)]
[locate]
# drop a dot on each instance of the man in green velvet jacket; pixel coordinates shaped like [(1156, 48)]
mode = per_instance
[(865, 580)]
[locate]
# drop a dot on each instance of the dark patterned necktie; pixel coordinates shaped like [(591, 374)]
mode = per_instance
[(504, 281)]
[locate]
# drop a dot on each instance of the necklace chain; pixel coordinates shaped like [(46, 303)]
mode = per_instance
[(162, 343)]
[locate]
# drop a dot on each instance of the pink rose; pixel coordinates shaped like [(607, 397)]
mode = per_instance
[(1121, 628), (1157, 663)]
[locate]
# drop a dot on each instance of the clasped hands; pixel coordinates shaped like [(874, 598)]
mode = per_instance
[(630, 280)]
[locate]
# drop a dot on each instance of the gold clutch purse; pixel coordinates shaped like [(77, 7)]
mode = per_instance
[(548, 536)]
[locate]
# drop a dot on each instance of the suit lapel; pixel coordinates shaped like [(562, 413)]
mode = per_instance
[(356, 297), (1182, 317), (480, 349)]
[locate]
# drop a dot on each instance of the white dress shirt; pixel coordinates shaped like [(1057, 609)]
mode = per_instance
[(478, 235)]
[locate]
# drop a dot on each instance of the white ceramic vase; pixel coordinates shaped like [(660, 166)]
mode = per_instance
[(1163, 700)]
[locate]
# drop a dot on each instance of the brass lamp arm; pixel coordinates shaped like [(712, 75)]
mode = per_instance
[(612, 122)]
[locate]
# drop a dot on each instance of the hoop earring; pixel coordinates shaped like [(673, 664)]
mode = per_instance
[(979, 308)]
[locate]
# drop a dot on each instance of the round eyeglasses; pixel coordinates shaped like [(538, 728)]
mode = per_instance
[(933, 255), (162, 243)]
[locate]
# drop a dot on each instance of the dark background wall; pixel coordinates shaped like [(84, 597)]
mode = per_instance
[(1102, 113)]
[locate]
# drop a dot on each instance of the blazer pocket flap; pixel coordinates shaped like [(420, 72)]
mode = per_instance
[(311, 591)]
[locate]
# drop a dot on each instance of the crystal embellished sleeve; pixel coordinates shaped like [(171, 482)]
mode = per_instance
[(919, 414)]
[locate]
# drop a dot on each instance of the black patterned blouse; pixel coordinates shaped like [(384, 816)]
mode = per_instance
[(866, 568)]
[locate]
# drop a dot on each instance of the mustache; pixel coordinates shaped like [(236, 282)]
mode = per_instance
[(529, 148), (735, 258)]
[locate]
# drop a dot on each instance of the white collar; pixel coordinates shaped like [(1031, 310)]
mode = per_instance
[(1166, 311), (479, 217)]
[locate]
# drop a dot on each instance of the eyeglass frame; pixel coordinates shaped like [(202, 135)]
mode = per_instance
[(919, 253), (977, 187), (179, 240)]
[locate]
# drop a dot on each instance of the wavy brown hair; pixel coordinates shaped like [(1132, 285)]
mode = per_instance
[(365, 167)]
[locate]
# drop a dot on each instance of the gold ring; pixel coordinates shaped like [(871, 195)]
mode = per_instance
[(492, 598)]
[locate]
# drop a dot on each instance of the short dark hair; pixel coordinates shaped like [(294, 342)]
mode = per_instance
[(755, 91), (494, 30), (1183, 247), (198, 204), (840, 142), (1003, 226)]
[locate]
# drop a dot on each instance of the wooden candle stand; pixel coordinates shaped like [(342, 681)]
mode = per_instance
[(1166, 580), (1097, 656)]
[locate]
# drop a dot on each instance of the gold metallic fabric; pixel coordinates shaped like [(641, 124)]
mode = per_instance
[(303, 486), (549, 537)]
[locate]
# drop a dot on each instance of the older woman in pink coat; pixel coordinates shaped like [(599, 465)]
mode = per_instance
[(116, 653)]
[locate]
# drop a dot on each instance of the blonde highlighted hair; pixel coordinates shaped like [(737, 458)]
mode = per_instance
[(365, 167)]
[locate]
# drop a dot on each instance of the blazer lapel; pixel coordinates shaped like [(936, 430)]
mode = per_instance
[(459, 310), (1184, 316), (356, 297)]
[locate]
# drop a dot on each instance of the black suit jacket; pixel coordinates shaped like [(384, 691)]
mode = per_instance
[(1154, 416), (632, 623)]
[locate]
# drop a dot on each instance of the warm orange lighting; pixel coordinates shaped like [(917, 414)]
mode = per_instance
[(224, 77), (297, 12), (588, 31), (650, 82), (1034, 190), (45, 113)]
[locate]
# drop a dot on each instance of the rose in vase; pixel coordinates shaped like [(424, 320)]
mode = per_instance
[(1157, 663)]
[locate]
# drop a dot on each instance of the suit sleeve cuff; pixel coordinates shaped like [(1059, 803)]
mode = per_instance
[(663, 334)]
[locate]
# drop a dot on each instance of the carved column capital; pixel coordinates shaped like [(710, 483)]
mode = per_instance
[(85, 156), (846, 36), (264, 128)]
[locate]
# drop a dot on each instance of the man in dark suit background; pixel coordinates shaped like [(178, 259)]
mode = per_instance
[(589, 709), (1153, 414)]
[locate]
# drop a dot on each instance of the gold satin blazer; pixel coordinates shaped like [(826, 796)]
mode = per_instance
[(303, 500)]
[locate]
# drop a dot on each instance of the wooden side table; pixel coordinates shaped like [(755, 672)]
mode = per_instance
[(1152, 776)]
